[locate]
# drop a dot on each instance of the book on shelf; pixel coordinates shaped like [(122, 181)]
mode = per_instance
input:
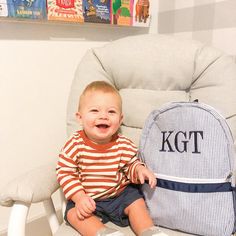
[(33, 9), (3, 8), (97, 11), (65, 10), (122, 12), (141, 13)]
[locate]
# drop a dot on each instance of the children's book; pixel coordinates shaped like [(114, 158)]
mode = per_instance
[(33, 9), (141, 13), (97, 11), (122, 12), (3, 8), (65, 10)]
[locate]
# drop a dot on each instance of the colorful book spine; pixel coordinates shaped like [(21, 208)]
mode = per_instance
[(65, 10), (97, 11), (3, 8), (141, 13), (116, 12), (33, 9), (122, 12)]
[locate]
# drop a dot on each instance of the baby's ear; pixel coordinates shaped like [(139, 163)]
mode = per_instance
[(121, 118), (78, 117)]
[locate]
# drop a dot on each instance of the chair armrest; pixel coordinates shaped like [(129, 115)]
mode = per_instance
[(34, 186)]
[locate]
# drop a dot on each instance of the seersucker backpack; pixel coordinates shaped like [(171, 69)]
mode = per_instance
[(189, 147)]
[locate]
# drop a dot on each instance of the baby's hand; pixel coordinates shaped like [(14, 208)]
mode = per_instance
[(84, 206), (144, 173)]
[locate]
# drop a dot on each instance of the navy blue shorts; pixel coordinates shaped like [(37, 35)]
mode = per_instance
[(112, 209)]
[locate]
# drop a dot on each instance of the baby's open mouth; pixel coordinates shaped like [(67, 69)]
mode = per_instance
[(102, 126)]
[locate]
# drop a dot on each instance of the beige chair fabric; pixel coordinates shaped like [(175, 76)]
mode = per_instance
[(148, 70)]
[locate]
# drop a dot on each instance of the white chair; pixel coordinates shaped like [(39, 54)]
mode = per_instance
[(148, 70)]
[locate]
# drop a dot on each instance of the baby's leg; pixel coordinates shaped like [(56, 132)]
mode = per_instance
[(87, 227), (141, 221), (138, 216)]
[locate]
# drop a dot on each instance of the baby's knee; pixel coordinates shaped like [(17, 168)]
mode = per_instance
[(71, 216), (137, 204)]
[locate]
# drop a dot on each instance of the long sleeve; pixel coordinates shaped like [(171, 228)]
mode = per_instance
[(131, 159), (67, 170), (129, 169)]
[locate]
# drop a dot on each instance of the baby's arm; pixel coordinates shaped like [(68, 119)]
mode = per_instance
[(136, 171), (84, 205), (143, 173), (68, 175), (69, 179)]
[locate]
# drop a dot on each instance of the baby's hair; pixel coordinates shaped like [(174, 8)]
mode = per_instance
[(101, 86)]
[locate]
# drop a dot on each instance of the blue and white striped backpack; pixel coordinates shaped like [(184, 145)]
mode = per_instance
[(189, 147)]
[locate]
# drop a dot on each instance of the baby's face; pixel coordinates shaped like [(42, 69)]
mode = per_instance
[(100, 115)]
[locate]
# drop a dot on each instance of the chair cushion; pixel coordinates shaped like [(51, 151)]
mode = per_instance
[(150, 70)]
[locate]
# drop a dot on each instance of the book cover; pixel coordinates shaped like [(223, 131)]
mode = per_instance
[(97, 11), (122, 12), (33, 9), (3, 8), (65, 10), (141, 13)]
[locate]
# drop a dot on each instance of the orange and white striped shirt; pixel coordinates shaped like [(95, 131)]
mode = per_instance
[(102, 171)]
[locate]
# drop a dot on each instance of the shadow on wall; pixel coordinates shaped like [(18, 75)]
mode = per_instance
[(24, 30)]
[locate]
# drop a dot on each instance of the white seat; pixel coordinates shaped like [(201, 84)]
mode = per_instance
[(65, 230), (148, 70)]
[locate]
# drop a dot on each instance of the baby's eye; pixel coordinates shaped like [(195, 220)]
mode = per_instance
[(112, 111), (94, 110)]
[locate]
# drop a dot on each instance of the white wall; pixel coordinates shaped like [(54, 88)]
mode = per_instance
[(37, 64), (210, 21), (35, 78)]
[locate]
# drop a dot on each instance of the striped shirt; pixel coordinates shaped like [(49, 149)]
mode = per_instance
[(102, 171)]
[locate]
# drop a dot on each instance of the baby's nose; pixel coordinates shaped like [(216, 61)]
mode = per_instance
[(103, 115)]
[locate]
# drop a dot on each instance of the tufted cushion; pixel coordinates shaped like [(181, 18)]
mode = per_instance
[(150, 70)]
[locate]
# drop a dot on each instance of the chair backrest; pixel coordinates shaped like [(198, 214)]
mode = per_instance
[(150, 70)]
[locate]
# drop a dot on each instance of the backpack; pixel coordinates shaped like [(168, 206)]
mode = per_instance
[(190, 148)]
